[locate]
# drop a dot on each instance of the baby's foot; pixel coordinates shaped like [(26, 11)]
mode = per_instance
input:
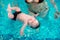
[(9, 8), (21, 33), (10, 15)]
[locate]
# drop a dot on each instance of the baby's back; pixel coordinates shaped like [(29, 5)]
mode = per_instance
[(24, 17)]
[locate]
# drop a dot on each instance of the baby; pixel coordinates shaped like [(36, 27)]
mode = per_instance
[(27, 19)]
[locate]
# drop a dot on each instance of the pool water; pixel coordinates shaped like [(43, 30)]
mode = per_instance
[(10, 30)]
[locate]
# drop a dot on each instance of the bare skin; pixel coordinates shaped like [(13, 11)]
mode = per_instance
[(27, 19), (57, 14)]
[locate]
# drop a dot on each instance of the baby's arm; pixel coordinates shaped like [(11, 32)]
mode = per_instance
[(23, 27)]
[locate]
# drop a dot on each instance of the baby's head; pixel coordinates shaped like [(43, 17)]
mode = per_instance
[(34, 24)]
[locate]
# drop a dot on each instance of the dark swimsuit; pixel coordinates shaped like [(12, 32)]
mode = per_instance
[(15, 15)]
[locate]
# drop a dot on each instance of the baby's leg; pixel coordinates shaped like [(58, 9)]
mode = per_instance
[(10, 15), (16, 9)]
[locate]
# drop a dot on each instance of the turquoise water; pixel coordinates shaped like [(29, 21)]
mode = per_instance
[(10, 30)]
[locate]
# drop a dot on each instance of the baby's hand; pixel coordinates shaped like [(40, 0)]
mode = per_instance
[(21, 33)]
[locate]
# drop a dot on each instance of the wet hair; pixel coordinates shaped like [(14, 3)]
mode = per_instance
[(35, 27)]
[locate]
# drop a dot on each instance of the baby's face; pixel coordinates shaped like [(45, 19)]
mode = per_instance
[(34, 23)]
